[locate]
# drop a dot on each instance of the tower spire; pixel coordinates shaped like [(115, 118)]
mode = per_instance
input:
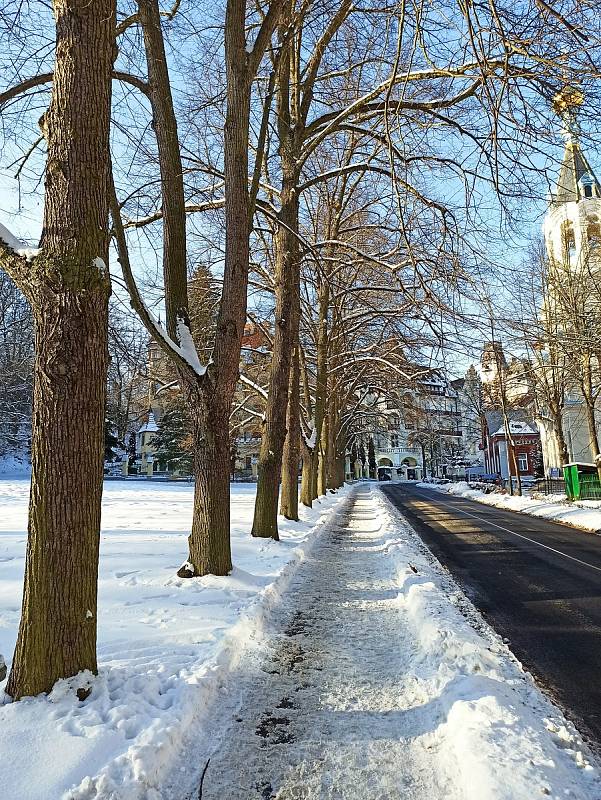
[(576, 180), (566, 104)]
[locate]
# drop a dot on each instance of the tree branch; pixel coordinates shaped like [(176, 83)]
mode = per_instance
[(47, 77)]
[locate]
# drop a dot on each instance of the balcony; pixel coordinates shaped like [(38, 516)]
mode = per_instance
[(409, 451)]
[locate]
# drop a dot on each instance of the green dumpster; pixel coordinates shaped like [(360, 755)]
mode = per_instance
[(577, 480)]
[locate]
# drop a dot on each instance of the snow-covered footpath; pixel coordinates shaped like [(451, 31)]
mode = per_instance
[(172, 654), (584, 514), (165, 644)]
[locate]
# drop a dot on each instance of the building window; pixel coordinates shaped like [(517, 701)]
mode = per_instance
[(569, 240), (394, 440), (593, 233), (522, 462)]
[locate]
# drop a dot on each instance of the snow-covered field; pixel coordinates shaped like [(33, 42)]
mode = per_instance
[(165, 644), (585, 514), (174, 653)]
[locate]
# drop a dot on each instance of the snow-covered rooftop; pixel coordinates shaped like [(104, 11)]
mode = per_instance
[(516, 427), (150, 426)]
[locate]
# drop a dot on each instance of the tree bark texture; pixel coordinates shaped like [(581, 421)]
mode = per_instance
[(306, 493), (170, 164), (68, 287), (209, 540), (321, 380), (330, 456), (287, 314), (591, 422), (322, 465), (291, 455), (209, 396), (589, 410), (557, 417), (286, 331)]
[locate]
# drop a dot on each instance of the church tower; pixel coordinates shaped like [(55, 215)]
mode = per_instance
[(572, 231), (572, 226)]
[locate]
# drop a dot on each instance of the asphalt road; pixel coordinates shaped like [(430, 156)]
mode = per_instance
[(537, 583)]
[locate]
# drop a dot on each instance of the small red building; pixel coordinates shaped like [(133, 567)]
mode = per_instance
[(526, 444)]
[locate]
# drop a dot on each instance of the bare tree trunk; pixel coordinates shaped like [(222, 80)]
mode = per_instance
[(557, 417), (331, 443), (591, 423), (307, 476), (209, 395), (589, 409), (274, 429), (322, 467), (291, 456), (306, 451), (68, 286), (287, 313), (340, 467), (321, 379), (170, 163), (209, 541)]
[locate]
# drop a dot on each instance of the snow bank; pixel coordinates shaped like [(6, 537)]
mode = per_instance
[(584, 514), (165, 644), (492, 727)]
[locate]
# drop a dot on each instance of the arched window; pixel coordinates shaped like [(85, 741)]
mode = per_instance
[(586, 184), (569, 240), (593, 233)]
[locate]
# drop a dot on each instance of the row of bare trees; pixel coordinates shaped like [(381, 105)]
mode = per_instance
[(325, 159)]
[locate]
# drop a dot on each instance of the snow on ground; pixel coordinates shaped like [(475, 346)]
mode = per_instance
[(164, 647), (584, 514), (14, 465), (403, 690), (376, 678)]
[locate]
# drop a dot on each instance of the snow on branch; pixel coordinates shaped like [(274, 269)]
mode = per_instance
[(185, 352), (377, 360), (191, 208), (311, 440), (19, 247), (186, 349), (255, 387)]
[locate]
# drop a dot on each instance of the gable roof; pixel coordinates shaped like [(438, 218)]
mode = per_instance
[(519, 422)]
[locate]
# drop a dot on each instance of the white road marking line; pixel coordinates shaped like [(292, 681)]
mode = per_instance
[(520, 535)]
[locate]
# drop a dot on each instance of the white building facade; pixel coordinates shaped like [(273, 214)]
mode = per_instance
[(572, 233)]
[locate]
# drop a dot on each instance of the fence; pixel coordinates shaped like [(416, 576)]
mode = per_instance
[(550, 486), (590, 487)]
